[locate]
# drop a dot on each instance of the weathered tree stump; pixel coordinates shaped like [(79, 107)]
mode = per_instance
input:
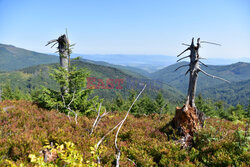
[(187, 121)]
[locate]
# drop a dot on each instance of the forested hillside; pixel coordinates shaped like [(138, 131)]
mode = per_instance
[(13, 58), (234, 93), (33, 77), (27, 77)]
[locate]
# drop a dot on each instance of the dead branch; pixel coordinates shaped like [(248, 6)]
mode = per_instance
[(187, 71), (213, 76), (98, 115), (68, 106), (183, 58), (183, 52), (98, 118), (203, 64), (132, 162), (119, 124), (210, 43), (185, 44), (117, 133), (181, 67), (52, 41)]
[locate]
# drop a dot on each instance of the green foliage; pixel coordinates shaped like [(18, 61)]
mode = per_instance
[(144, 105), (217, 109), (76, 95), (67, 155), (222, 145), (236, 92), (9, 94)]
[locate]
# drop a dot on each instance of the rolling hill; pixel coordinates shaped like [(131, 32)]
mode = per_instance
[(234, 73), (13, 58), (234, 93), (32, 77), (28, 70)]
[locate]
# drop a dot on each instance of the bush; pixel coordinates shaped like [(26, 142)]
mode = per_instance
[(77, 96)]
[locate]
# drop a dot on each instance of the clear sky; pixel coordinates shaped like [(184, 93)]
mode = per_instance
[(129, 26)]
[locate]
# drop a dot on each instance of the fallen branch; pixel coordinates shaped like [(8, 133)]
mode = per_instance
[(118, 125), (132, 162), (98, 118), (117, 133)]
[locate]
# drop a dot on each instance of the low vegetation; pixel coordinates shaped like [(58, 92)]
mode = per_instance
[(26, 129)]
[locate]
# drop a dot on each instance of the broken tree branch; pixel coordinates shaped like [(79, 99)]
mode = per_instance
[(203, 64), (68, 106), (213, 76), (98, 115), (51, 41), (117, 133), (210, 43), (187, 71), (183, 52), (98, 118), (185, 44), (183, 58), (120, 123), (181, 67)]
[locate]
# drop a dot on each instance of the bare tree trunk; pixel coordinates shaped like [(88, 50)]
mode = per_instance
[(64, 54), (188, 119), (63, 47)]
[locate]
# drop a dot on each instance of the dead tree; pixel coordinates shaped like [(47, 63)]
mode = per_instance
[(188, 118), (193, 70), (64, 55)]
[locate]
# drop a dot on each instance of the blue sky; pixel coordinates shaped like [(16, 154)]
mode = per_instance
[(129, 26)]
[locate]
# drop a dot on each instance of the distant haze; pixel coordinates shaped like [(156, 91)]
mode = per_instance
[(151, 63)]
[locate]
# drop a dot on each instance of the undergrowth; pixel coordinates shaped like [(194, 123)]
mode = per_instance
[(26, 129)]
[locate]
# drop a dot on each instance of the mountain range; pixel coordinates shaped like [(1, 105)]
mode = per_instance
[(23, 68)]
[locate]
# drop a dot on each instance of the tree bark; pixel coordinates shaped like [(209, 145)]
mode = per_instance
[(63, 47), (193, 76)]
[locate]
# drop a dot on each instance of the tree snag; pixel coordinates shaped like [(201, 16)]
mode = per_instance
[(194, 69), (64, 55), (188, 118)]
